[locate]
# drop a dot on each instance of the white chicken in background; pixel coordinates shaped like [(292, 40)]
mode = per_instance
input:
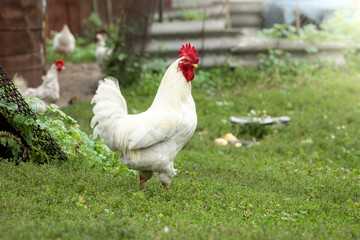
[(48, 91), (149, 141), (102, 53), (64, 42)]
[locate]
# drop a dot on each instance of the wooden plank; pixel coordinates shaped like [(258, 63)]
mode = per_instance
[(21, 38)]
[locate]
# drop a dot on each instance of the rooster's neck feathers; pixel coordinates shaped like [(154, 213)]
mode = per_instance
[(173, 89), (52, 74)]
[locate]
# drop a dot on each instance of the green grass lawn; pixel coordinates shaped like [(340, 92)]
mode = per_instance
[(301, 182)]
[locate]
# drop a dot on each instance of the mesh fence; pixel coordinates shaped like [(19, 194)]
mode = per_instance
[(42, 138)]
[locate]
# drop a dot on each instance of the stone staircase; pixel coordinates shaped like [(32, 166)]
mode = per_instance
[(222, 30), (212, 40), (213, 10), (211, 37), (246, 13), (228, 35)]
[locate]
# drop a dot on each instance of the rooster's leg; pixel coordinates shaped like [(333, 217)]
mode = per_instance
[(142, 182), (144, 176)]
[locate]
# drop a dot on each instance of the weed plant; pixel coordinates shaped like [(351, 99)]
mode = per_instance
[(343, 27)]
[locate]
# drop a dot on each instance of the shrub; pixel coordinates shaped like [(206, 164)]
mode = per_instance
[(66, 132)]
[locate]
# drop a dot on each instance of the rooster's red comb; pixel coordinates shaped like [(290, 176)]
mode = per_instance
[(189, 52), (59, 63)]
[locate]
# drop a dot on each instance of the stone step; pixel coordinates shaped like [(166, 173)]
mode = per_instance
[(261, 44), (196, 28), (246, 6), (210, 38), (191, 4), (221, 43), (246, 53), (246, 13), (212, 51), (213, 11), (246, 20), (205, 61)]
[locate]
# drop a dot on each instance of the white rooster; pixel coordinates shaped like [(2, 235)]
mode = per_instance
[(102, 53), (64, 42), (149, 141), (48, 91)]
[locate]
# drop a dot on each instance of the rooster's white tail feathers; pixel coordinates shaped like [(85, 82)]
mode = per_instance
[(109, 106)]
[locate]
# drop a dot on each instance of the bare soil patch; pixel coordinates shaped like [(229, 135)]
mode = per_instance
[(78, 81)]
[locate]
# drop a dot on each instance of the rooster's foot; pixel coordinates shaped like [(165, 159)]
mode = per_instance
[(142, 183)]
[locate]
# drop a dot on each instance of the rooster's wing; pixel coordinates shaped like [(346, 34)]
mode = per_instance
[(153, 128)]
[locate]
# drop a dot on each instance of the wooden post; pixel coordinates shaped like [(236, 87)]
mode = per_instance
[(94, 7), (227, 14), (45, 32), (161, 9), (68, 20), (203, 34), (109, 12)]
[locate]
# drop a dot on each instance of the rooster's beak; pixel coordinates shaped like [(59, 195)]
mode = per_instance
[(195, 65)]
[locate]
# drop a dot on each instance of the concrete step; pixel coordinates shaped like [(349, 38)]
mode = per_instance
[(209, 37), (246, 53), (193, 28), (191, 3), (246, 13), (212, 51), (246, 6), (213, 11), (239, 20), (215, 44), (205, 60)]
